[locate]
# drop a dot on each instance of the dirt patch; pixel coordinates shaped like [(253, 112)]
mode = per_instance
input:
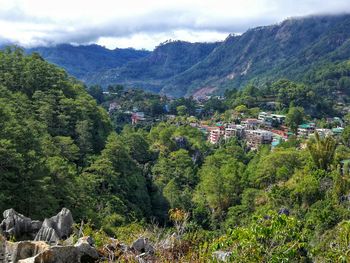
[(203, 92)]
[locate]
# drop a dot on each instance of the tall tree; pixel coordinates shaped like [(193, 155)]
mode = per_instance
[(322, 151), (294, 118)]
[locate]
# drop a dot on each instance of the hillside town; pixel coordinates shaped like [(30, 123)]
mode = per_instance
[(268, 128)]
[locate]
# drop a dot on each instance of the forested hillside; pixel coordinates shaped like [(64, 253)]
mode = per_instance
[(268, 53), (195, 201), (81, 61), (50, 129), (167, 60)]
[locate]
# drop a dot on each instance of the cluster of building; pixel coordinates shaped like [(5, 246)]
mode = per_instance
[(307, 129), (268, 128), (253, 137), (254, 131), (249, 130)]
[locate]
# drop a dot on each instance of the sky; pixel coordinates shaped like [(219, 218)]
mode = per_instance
[(145, 24)]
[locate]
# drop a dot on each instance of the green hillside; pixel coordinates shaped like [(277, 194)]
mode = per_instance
[(263, 54), (150, 72), (81, 61)]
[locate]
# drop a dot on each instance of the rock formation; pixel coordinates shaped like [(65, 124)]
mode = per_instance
[(46, 234), (142, 245), (222, 256), (38, 251), (56, 228), (18, 226)]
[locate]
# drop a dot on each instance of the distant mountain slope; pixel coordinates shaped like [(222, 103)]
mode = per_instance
[(267, 53), (81, 61), (166, 61), (286, 50)]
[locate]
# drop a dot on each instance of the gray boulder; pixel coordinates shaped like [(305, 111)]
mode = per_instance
[(56, 228), (2, 248), (18, 226), (15, 251), (86, 249), (142, 245)]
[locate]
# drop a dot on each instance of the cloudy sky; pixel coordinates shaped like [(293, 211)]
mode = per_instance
[(145, 23)]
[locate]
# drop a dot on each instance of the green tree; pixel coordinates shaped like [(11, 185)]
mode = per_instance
[(176, 176), (277, 238), (96, 92), (181, 110), (115, 89), (294, 118), (115, 183), (220, 183), (345, 136), (322, 151)]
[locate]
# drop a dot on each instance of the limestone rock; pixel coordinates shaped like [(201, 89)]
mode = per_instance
[(18, 226), (142, 245), (170, 242), (15, 251), (56, 228), (81, 252), (85, 246), (222, 256)]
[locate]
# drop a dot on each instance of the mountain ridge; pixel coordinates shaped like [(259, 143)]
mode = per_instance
[(178, 68), (83, 60)]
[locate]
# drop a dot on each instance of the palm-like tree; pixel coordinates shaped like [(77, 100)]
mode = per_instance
[(322, 151)]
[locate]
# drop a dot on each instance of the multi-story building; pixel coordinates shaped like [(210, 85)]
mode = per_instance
[(251, 124), (304, 130), (137, 116), (255, 138), (234, 131), (270, 119), (215, 135)]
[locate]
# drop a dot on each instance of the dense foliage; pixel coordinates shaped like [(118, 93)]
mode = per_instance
[(58, 148), (150, 72), (82, 61)]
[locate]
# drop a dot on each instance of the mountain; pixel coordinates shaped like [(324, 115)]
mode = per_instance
[(286, 50), (150, 72), (267, 53), (80, 61)]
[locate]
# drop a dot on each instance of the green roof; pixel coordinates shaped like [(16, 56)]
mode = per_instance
[(337, 130), (304, 126)]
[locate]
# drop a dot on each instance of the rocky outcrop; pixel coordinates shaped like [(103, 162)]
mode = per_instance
[(56, 228), (140, 251), (40, 252), (15, 251), (49, 232), (82, 252), (142, 245), (222, 256), (18, 226)]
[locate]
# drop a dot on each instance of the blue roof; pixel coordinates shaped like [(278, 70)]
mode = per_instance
[(275, 143)]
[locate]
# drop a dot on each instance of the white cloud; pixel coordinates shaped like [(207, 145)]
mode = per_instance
[(145, 23), (149, 41)]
